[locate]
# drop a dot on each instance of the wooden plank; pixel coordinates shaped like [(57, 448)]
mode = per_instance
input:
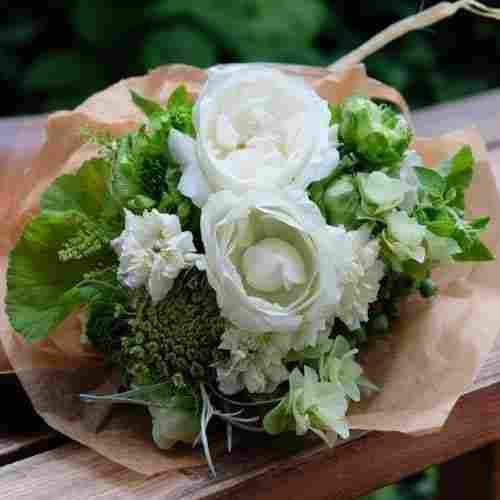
[(482, 110), (73, 472), (472, 475), (17, 446)]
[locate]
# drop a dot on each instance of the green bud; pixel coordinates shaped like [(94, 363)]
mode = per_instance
[(140, 203), (167, 203), (427, 288), (184, 209), (378, 324), (341, 201), (172, 177), (393, 308), (375, 132), (360, 335)]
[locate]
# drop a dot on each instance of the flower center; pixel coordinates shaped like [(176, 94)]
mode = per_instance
[(272, 265)]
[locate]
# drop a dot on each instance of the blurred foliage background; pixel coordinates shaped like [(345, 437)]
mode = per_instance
[(54, 54)]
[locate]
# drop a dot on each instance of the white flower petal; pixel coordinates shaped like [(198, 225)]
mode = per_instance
[(194, 185), (273, 262), (226, 135), (152, 251), (256, 128), (159, 283), (182, 147)]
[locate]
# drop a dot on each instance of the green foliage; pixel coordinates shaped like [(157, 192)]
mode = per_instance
[(69, 239), (441, 207), (41, 288), (106, 326), (144, 173), (104, 41)]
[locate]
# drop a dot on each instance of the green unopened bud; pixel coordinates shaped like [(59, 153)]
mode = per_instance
[(167, 204), (378, 324), (375, 132), (184, 210), (427, 288), (341, 201), (172, 178), (393, 308), (360, 335), (140, 203)]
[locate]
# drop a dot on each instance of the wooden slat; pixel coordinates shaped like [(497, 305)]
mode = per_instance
[(16, 446), (482, 110), (473, 475), (72, 472)]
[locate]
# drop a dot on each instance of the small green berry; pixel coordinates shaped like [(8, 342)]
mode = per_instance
[(427, 288), (379, 324)]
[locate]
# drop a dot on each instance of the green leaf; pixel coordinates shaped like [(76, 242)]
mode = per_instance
[(148, 107), (431, 181), (41, 289), (179, 97), (441, 249), (86, 191), (127, 176), (477, 252), (278, 420), (342, 202), (459, 170), (480, 224)]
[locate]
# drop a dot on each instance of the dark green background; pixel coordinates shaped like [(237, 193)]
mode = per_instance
[(54, 54)]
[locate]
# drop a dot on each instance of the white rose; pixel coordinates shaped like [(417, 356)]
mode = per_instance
[(256, 128), (274, 263)]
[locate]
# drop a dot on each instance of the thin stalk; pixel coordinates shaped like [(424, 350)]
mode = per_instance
[(423, 19)]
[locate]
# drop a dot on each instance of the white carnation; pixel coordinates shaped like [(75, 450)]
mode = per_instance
[(256, 128), (362, 281), (256, 361), (153, 250)]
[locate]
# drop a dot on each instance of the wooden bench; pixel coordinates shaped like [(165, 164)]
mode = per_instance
[(38, 464)]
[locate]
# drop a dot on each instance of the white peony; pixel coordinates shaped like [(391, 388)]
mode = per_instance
[(153, 250), (256, 128), (274, 263), (362, 281), (256, 361)]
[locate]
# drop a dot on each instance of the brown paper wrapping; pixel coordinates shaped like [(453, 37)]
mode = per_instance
[(432, 357)]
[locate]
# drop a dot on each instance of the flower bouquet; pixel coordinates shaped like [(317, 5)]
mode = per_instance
[(269, 247)]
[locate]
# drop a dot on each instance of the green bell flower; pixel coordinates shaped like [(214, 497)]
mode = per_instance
[(376, 133)]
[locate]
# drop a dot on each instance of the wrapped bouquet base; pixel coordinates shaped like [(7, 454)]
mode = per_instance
[(424, 366)]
